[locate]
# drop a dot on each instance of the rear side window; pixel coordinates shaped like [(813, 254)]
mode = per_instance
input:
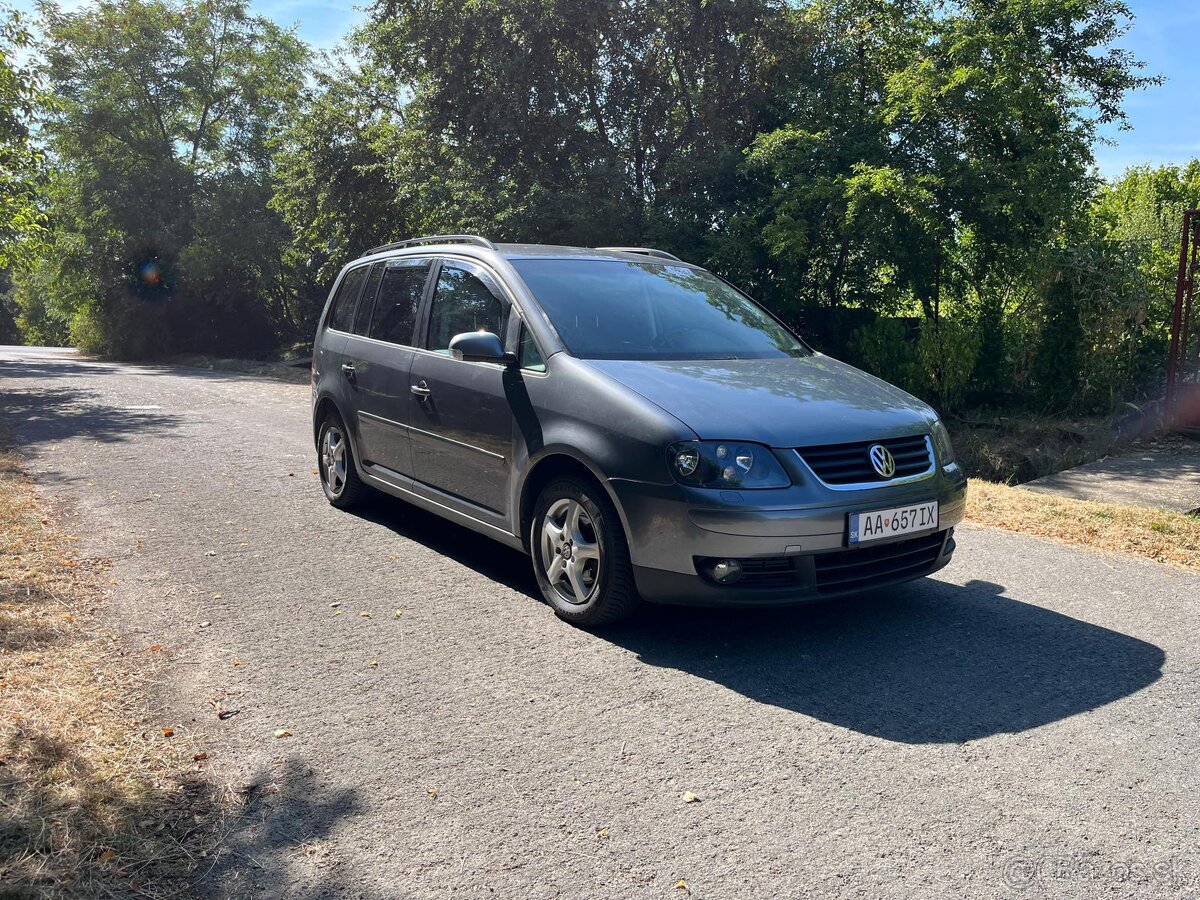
[(396, 306), (362, 320), (341, 317), (462, 302)]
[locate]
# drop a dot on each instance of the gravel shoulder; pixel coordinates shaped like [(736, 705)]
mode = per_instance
[(1031, 706)]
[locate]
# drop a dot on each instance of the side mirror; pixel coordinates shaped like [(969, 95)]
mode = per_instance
[(479, 346)]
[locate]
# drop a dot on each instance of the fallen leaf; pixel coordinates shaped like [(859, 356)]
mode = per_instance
[(339, 612), (603, 833), (199, 757), (399, 613), (216, 596), (682, 885), (689, 797), (432, 792), (282, 733), (154, 648), (314, 471), (106, 857), (167, 732), (365, 614), (374, 663), (236, 662)]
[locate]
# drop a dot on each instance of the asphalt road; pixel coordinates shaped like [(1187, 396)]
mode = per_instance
[(1023, 724)]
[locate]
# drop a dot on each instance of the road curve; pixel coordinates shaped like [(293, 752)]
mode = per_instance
[(1023, 724)]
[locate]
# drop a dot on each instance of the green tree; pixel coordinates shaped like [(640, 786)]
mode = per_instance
[(543, 119), (938, 143), (21, 100), (162, 154)]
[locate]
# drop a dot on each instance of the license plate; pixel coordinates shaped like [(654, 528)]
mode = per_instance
[(880, 524)]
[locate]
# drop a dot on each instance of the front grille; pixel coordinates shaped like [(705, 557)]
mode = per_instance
[(864, 567), (773, 571), (840, 464)]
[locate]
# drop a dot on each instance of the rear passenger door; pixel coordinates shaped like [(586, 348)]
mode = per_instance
[(331, 343), (461, 421), (379, 354)]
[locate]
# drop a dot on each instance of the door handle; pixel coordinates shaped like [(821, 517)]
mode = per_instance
[(421, 389), (348, 371)]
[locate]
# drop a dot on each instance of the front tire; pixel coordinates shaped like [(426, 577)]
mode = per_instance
[(335, 463), (580, 555)]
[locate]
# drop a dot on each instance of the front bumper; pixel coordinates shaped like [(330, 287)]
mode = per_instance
[(799, 533)]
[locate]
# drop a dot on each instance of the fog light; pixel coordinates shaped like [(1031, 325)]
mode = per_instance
[(727, 571)]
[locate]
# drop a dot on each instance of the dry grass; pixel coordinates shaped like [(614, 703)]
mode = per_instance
[(95, 801), (1167, 537)]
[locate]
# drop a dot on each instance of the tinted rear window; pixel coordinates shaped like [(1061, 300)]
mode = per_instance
[(362, 319), (341, 316), (396, 306)]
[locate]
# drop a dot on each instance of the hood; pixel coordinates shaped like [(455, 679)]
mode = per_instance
[(793, 402)]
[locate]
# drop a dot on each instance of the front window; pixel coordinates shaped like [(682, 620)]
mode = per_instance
[(529, 357), (462, 302), (612, 309)]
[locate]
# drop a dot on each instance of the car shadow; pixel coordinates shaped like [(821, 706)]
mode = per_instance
[(925, 662), (487, 557)]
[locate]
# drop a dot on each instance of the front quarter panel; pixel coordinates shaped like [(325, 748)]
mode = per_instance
[(576, 411)]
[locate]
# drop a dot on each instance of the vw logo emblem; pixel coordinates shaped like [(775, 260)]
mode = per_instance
[(882, 461)]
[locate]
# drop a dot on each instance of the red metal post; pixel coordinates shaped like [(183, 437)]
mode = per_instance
[(1185, 334), (1182, 289)]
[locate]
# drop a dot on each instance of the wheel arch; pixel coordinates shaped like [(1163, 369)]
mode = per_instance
[(557, 464), (324, 406)]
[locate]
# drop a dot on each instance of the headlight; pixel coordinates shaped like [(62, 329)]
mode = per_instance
[(941, 444), (725, 464)]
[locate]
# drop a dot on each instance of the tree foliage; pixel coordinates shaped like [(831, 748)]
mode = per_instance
[(911, 180), (22, 99), (162, 152)]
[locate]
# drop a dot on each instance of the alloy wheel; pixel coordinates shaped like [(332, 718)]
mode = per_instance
[(570, 551), (333, 459)]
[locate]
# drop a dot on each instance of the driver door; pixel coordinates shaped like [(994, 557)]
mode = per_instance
[(461, 424)]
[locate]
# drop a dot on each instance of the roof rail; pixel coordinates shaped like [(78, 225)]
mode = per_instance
[(434, 239), (645, 251)]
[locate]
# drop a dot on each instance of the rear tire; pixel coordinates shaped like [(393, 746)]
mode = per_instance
[(335, 463), (580, 554)]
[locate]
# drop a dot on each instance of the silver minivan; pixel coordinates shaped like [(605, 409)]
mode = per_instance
[(637, 425)]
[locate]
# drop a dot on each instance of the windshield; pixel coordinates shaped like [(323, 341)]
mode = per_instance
[(612, 309)]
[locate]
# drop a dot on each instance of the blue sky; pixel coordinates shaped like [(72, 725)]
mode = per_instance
[(1165, 35), (1165, 120)]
